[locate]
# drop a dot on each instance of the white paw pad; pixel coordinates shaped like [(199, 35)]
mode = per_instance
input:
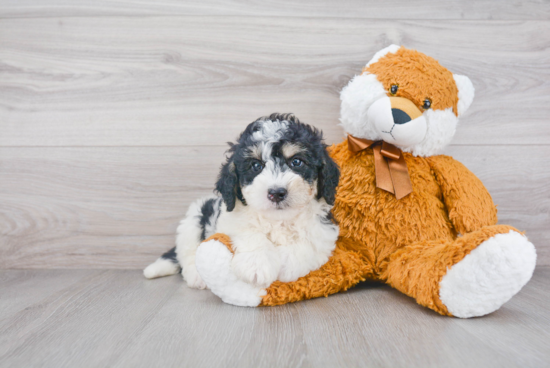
[(489, 276)]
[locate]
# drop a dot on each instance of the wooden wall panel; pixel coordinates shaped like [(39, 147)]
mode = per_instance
[(133, 81), (89, 207), (116, 207), (114, 114), (389, 9)]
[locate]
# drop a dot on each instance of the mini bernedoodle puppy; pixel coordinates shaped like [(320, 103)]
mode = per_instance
[(277, 189)]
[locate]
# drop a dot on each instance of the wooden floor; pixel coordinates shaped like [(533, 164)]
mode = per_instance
[(116, 318)]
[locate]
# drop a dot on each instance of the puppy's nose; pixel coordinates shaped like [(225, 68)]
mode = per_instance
[(277, 195)]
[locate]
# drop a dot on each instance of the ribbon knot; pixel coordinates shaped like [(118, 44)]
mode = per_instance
[(392, 174)]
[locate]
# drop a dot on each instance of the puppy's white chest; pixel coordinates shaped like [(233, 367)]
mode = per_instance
[(283, 235)]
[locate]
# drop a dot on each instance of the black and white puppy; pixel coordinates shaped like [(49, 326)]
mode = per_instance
[(277, 189)]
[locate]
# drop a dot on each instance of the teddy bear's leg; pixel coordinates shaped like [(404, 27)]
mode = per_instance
[(470, 276), (343, 270)]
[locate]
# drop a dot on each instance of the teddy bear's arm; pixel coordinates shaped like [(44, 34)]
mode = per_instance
[(344, 269), (468, 202)]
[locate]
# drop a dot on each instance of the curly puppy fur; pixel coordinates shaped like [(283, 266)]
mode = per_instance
[(276, 190)]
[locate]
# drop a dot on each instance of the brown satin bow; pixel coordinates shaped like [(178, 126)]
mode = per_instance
[(390, 167)]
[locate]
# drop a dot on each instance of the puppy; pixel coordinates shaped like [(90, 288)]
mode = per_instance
[(276, 192)]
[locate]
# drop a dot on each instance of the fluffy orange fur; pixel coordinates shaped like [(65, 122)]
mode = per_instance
[(407, 243), (343, 270), (418, 77), (222, 238)]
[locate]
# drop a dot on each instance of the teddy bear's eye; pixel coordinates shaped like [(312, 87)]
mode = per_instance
[(427, 104), (393, 89)]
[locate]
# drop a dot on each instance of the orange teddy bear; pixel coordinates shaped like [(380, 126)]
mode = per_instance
[(416, 220)]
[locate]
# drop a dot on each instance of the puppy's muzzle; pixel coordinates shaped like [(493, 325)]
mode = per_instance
[(403, 110), (277, 195)]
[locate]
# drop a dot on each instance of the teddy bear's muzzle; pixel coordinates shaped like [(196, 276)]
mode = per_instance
[(398, 121), (403, 110)]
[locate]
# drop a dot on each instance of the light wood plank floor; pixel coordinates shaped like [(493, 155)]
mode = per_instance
[(116, 318)]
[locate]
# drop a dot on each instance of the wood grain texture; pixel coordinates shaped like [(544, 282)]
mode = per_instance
[(197, 80), (22, 289), (114, 114), (107, 307), (391, 9), (119, 319), (118, 207)]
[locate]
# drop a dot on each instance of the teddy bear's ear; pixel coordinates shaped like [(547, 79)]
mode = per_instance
[(383, 52), (465, 92)]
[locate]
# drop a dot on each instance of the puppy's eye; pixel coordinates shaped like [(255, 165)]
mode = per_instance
[(427, 104), (257, 166), (296, 162), (393, 89)]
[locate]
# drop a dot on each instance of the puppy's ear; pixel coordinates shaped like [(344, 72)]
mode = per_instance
[(228, 184), (329, 175)]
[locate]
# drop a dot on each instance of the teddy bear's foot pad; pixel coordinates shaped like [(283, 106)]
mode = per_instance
[(213, 261), (489, 276)]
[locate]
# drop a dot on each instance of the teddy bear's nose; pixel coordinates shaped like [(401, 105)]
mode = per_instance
[(403, 110), (400, 116)]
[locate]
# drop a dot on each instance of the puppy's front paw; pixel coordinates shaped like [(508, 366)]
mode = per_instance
[(258, 268), (193, 279)]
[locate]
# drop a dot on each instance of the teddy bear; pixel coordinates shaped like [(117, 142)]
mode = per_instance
[(409, 216)]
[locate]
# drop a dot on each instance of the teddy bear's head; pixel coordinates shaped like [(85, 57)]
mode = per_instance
[(405, 98)]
